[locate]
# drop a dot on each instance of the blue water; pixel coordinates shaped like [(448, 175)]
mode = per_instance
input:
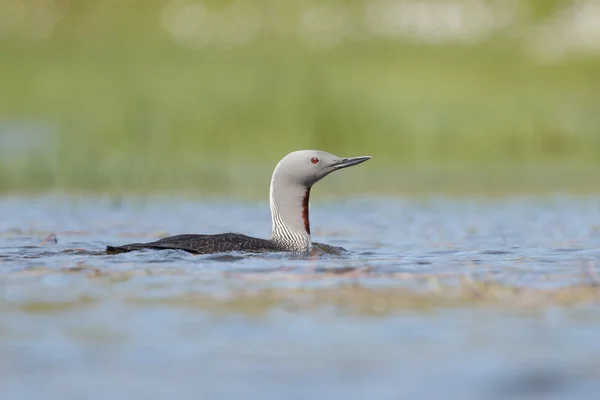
[(76, 323)]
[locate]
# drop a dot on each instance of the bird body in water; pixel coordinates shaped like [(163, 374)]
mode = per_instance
[(291, 182)]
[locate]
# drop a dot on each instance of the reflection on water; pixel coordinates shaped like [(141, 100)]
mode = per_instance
[(469, 298)]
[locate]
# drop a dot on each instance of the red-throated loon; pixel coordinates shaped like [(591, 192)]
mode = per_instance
[(291, 182)]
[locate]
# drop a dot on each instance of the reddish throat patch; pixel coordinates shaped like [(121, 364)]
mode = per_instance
[(305, 211)]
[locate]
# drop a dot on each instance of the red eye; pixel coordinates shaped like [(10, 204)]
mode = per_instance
[(314, 160)]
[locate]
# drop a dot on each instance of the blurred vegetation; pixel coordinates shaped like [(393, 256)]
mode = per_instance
[(206, 97)]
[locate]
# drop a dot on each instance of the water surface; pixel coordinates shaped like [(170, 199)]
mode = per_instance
[(437, 297)]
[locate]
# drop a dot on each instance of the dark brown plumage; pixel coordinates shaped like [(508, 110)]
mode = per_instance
[(204, 244), (219, 243)]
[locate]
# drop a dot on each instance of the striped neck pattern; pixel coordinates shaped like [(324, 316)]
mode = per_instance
[(291, 224)]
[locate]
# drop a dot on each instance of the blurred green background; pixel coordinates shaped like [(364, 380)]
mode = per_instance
[(462, 96)]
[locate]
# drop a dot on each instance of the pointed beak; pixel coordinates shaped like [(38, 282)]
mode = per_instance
[(348, 162)]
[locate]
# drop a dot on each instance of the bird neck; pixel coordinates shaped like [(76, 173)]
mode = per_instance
[(289, 215)]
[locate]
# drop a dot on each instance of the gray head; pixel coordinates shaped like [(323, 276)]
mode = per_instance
[(292, 180), (307, 167)]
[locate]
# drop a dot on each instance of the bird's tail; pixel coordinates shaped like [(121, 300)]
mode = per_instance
[(117, 249)]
